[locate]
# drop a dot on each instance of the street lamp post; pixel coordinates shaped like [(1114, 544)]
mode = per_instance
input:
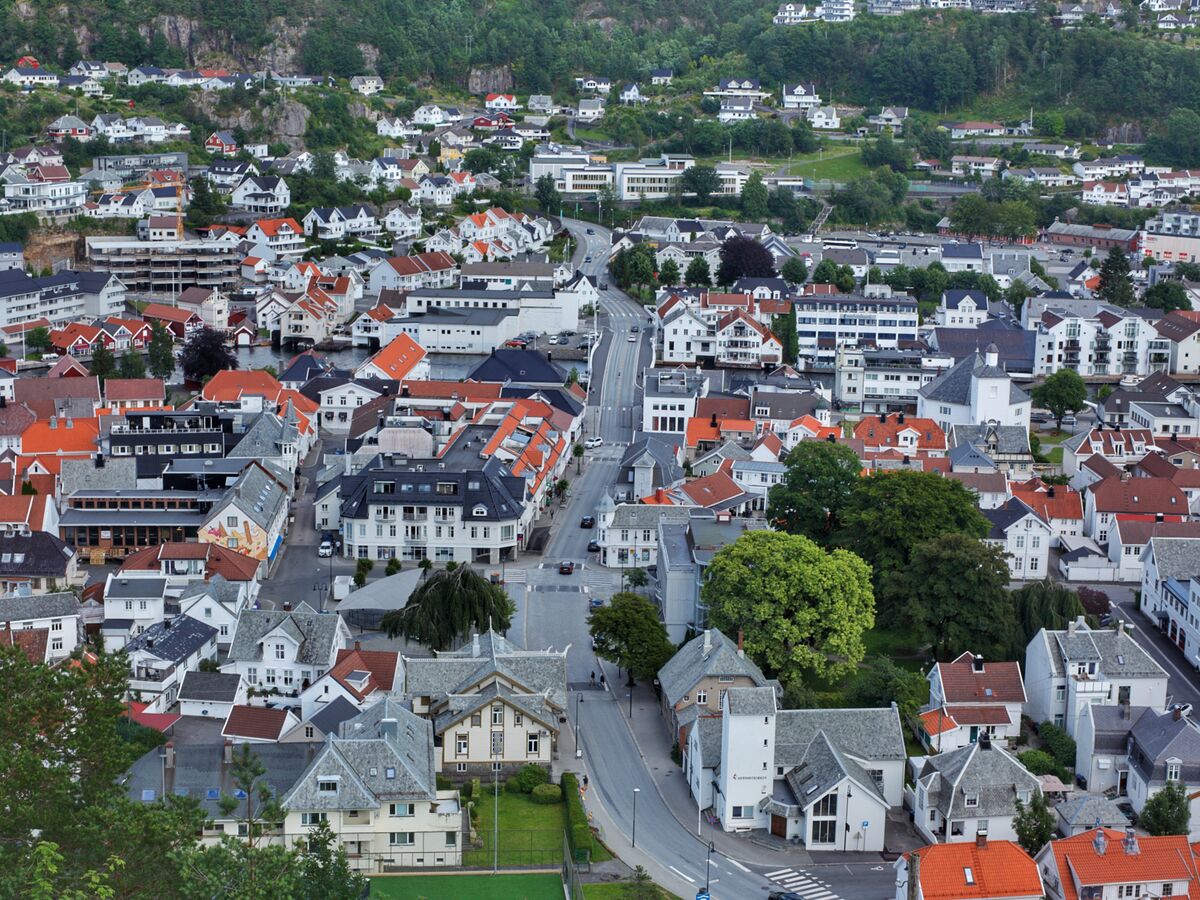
[(707, 864), (578, 726), (631, 684), (633, 836)]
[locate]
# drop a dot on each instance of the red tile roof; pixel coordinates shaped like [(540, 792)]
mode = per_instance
[(398, 358), (962, 684), (1138, 495), (712, 490), (229, 386), (1158, 859), (1066, 503), (255, 722), (30, 641), (873, 433), (68, 436), (125, 389), (380, 665), (999, 869)]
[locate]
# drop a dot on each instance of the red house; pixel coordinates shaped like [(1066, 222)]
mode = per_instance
[(79, 339), (181, 323), (28, 62), (221, 142)]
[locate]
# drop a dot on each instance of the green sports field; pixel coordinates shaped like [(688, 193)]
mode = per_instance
[(475, 887)]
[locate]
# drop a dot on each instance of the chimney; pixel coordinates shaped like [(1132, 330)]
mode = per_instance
[(99, 460), (981, 840), (883, 417), (713, 421), (900, 419), (741, 642), (387, 727), (1071, 626), (1100, 842), (169, 754), (475, 644), (977, 663), (228, 751), (985, 741), (1050, 491), (358, 645), (707, 641), (660, 495), (54, 421), (1130, 843), (1120, 626)]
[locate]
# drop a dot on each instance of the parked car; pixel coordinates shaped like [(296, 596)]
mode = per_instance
[(587, 259), (593, 442), (325, 549), (635, 329), (554, 339), (517, 343), (587, 522), (604, 285), (596, 602), (632, 338), (593, 546), (591, 231), (566, 567)]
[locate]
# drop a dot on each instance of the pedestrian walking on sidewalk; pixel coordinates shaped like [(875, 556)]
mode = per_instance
[(593, 680)]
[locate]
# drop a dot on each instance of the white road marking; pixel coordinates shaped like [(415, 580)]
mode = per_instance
[(681, 875), (774, 874)]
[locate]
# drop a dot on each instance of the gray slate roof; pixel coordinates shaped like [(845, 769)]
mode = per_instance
[(683, 670), (870, 734), (372, 765), (118, 473), (747, 701), (217, 686), (1006, 439), (316, 633), (332, 715), (1089, 809), (539, 672), (823, 767), (1176, 557), (15, 607), (1118, 654), (991, 775), (258, 496), (173, 640)]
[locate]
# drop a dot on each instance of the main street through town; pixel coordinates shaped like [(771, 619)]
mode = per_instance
[(552, 611)]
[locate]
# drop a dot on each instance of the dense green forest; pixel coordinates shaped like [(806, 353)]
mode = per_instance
[(941, 61)]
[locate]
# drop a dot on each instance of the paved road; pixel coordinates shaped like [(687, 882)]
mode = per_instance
[(1182, 680)]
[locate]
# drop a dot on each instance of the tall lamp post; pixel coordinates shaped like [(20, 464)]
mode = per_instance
[(633, 836), (707, 864), (578, 726)]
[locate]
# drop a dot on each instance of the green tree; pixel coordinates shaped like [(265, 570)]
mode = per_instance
[(698, 274), (1061, 393), (636, 577), (668, 274), (883, 151), (1167, 811), (1115, 285), (448, 606), (880, 681), (547, 196), (205, 354), (703, 181), (755, 198), (325, 872), (953, 591), (103, 365), (425, 565), (1167, 296), (818, 483), (37, 340), (890, 514), (803, 609), (1042, 604), (577, 452), (1034, 824), (794, 270), (131, 365), (826, 272), (641, 886), (1039, 762), (393, 566), (629, 632), (161, 352)]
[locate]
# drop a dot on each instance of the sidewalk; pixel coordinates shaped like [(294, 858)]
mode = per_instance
[(650, 736)]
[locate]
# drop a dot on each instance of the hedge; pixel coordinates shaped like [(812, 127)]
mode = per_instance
[(1058, 744), (546, 794), (577, 820)]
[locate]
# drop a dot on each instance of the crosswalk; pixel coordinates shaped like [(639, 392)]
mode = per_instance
[(803, 884)]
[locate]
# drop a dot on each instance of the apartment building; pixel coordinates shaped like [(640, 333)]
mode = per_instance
[(167, 267), (826, 321)]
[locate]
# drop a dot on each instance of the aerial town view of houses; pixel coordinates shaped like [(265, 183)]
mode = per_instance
[(648, 451)]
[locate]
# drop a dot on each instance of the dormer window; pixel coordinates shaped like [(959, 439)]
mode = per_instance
[(327, 786), (971, 801), (479, 510), (1173, 767)]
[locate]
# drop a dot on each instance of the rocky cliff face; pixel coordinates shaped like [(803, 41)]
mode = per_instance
[(284, 121), (490, 80)]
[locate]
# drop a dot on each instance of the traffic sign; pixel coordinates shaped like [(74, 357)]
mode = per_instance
[(702, 895)]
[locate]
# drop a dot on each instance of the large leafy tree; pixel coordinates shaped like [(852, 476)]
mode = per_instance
[(1061, 393), (755, 198), (205, 354), (103, 364), (547, 195), (698, 273), (744, 257), (1034, 824), (953, 592), (628, 632), (1167, 296), (703, 181), (891, 513), (816, 487), (131, 365), (803, 609), (668, 275), (448, 606), (794, 270), (881, 682), (1167, 812)]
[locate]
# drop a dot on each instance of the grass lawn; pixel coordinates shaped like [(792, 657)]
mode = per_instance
[(531, 834), (592, 134), (477, 887), (833, 165)]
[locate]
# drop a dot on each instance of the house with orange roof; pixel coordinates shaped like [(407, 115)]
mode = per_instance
[(122, 394), (360, 677), (284, 237), (969, 697), (312, 318), (367, 330), (1059, 505), (704, 434), (181, 562), (983, 870), (907, 434), (809, 428), (402, 359), (80, 340), (246, 389), (1104, 862), (59, 437)]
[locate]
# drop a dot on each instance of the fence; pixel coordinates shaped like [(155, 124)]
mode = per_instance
[(570, 872)]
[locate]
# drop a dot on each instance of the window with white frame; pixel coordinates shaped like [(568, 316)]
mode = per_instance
[(532, 744), (401, 838)]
